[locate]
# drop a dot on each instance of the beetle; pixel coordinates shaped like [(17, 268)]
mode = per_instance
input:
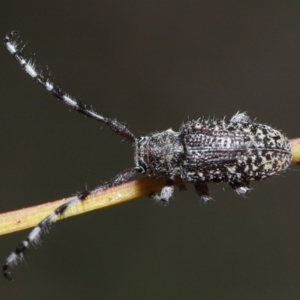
[(205, 150)]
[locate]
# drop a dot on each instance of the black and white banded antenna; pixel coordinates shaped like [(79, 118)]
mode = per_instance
[(29, 67)]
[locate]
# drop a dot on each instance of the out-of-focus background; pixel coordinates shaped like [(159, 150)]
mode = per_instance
[(153, 65)]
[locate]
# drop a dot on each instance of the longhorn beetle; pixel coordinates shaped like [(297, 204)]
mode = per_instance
[(235, 152)]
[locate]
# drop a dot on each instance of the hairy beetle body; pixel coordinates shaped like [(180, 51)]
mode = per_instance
[(202, 151)]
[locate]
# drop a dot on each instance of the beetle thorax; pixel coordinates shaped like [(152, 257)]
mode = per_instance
[(159, 154)]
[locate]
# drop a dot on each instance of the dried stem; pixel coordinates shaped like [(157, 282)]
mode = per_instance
[(295, 145), (29, 217)]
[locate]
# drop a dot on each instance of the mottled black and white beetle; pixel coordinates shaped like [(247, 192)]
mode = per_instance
[(235, 152)]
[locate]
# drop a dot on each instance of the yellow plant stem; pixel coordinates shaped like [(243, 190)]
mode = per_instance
[(295, 145), (29, 217)]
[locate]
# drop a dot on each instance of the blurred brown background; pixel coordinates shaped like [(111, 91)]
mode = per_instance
[(153, 65)]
